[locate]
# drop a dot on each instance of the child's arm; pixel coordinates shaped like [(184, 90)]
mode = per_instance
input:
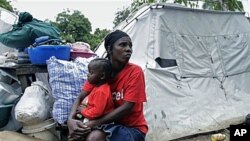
[(86, 89), (76, 104)]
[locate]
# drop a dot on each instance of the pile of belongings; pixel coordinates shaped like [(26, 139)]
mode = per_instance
[(26, 31)]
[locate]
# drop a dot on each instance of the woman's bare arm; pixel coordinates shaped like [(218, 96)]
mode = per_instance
[(115, 115)]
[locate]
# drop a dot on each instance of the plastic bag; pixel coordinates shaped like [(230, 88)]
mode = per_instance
[(34, 105)]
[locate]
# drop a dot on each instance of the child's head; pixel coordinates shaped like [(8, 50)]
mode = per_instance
[(99, 71)]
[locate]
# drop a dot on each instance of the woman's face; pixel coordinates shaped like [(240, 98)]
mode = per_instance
[(122, 50)]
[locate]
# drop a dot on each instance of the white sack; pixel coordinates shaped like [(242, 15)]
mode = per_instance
[(34, 105)]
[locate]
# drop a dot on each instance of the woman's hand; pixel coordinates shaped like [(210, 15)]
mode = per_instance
[(93, 123), (77, 129)]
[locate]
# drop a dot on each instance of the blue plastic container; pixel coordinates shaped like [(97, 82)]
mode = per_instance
[(40, 54)]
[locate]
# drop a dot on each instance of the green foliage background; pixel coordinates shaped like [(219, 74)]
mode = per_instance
[(6, 5), (75, 27)]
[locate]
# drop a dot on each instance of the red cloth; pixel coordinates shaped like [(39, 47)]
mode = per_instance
[(99, 102), (129, 85)]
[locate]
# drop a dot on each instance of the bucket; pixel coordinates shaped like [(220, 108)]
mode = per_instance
[(5, 111), (45, 130)]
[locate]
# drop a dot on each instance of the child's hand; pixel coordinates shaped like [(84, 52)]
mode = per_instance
[(79, 109), (79, 116)]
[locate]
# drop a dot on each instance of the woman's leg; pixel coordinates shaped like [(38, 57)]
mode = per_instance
[(96, 135), (116, 132)]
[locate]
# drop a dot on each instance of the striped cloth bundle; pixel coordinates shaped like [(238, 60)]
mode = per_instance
[(66, 79)]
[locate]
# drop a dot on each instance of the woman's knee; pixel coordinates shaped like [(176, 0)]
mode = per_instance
[(96, 135)]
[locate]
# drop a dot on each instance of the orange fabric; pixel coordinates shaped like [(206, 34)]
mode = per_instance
[(99, 102)]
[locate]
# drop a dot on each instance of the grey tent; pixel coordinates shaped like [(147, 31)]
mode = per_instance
[(196, 64)]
